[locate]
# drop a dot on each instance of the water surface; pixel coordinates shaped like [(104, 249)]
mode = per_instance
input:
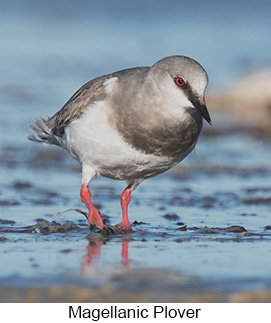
[(202, 228)]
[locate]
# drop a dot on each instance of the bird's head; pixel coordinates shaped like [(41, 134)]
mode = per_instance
[(185, 80)]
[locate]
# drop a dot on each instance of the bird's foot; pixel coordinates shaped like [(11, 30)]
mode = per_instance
[(104, 230), (95, 221)]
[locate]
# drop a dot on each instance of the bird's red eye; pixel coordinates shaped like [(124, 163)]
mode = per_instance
[(179, 81)]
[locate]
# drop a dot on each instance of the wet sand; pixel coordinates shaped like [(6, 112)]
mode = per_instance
[(107, 294)]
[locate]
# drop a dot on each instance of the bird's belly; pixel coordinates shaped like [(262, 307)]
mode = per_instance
[(95, 143), (138, 168)]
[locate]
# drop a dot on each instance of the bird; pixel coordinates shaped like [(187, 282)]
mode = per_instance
[(130, 125)]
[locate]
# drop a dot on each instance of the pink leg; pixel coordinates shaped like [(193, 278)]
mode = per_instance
[(125, 200), (94, 215)]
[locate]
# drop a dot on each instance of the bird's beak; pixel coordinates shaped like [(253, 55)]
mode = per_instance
[(200, 105)]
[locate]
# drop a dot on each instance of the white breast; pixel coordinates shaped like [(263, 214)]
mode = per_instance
[(98, 146)]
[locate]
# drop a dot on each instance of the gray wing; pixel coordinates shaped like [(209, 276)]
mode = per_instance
[(51, 130), (72, 110), (86, 95)]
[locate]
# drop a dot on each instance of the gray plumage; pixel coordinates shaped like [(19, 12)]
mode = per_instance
[(130, 111), (130, 125)]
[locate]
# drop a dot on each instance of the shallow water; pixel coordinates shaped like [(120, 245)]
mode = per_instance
[(207, 222), (205, 226)]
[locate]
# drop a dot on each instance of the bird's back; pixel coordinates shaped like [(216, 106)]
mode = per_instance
[(51, 130)]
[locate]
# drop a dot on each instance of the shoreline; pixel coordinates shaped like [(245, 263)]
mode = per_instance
[(107, 294)]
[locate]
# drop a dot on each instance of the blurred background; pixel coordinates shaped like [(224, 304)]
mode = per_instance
[(48, 49)]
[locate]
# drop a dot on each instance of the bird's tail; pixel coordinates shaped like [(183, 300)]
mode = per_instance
[(41, 132)]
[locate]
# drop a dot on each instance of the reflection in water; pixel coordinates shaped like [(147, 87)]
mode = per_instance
[(124, 254), (94, 252)]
